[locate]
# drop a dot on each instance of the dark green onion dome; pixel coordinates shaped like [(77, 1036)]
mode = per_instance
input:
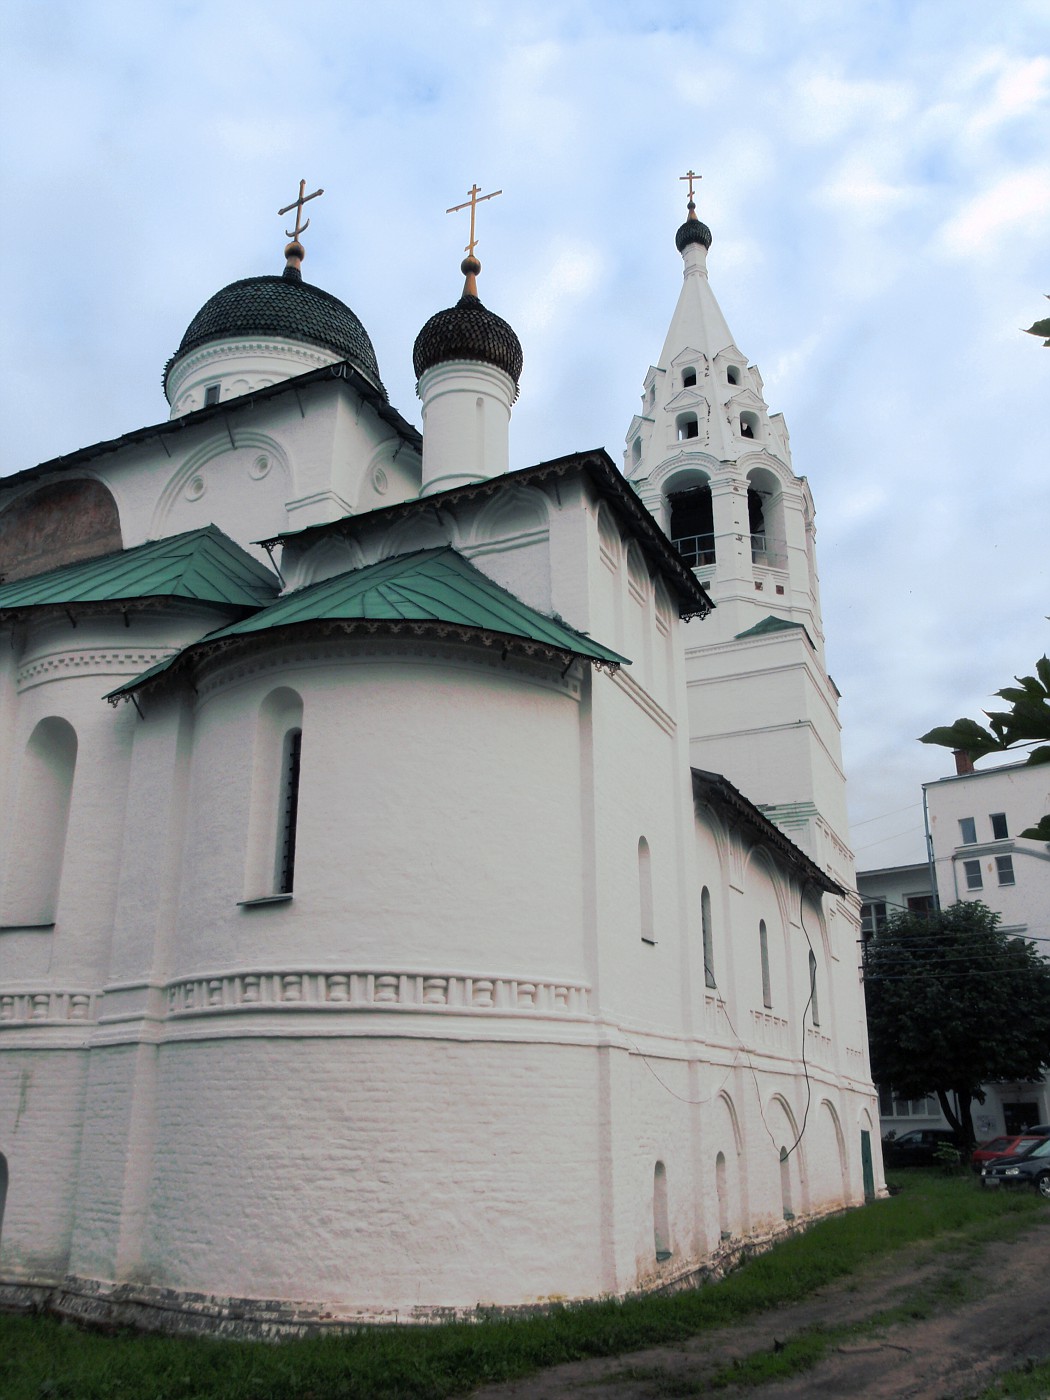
[(468, 331), (284, 306), (692, 231)]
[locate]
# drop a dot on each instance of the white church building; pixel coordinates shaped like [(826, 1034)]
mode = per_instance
[(423, 881)]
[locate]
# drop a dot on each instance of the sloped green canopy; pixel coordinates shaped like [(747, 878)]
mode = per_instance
[(430, 591), (203, 565), (772, 624)]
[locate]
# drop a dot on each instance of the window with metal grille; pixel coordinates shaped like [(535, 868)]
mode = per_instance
[(705, 924), (288, 810), (763, 950)]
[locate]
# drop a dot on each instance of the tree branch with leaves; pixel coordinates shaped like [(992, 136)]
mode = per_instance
[(1025, 723)]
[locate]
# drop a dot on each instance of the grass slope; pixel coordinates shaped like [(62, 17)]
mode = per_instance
[(42, 1359)]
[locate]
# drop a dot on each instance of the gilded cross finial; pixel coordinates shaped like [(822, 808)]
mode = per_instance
[(690, 175), (473, 202), (297, 205)]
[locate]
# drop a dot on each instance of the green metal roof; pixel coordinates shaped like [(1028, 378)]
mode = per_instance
[(432, 590), (771, 624), (204, 565)]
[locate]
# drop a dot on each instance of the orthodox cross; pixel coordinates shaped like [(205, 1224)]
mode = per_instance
[(297, 205), (690, 175), (474, 200)]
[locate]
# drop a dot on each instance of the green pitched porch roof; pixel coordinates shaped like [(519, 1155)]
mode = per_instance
[(203, 565), (771, 624), (430, 592)]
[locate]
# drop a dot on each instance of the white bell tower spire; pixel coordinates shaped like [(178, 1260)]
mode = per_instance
[(714, 467)]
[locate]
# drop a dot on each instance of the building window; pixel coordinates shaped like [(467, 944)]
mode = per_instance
[(636, 451), (645, 890), (687, 426), (763, 949), (1000, 831), (288, 810), (1004, 868), (41, 819), (891, 1106), (967, 831), (749, 425), (661, 1228), (872, 917), (973, 874), (785, 1184), (693, 525), (813, 1002), (732, 374), (211, 395), (705, 923), (688, 377)]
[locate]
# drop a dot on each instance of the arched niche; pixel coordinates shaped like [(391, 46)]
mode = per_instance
[(60, 523)]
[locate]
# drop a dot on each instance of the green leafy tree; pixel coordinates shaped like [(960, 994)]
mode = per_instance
[(1025, 723), (953, 1004), (1041, 328)]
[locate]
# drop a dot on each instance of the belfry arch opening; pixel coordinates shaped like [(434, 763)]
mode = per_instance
[(687, 426), (689, 377), (765, 513), (692, 525)]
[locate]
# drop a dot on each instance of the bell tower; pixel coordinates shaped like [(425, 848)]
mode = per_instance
[(713, 465)]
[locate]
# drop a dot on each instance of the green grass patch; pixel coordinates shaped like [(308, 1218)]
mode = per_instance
[(1028, 1382), (42, 1359)]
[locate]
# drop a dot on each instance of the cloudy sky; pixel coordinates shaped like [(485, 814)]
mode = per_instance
[(876, 175)]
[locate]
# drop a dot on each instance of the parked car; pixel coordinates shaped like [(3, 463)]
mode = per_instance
[(917, 1148), (1033, 1169), (1003, 1147)]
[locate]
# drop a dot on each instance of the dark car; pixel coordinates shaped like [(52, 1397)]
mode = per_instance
[(1033, 1169), (917, 1148), (999, 1147)]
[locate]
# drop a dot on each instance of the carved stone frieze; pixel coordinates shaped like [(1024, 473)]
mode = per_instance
[(92, 661), (46, 1007), (360, 990)]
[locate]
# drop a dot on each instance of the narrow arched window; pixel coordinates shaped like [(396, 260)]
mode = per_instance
[(288, 809), (661, 1228), (722, 1189), (763, 951), (689, 377), (3, 1191), (785, 1184), (636, 451), (645, 891), (705, 924), (749, 425), (813, 1002), (686, 426), (732, 374), (273, 826), (41, 819)]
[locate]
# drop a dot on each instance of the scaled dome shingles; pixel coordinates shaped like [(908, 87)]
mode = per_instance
[(692, 231), (468, 331), (286, 307)]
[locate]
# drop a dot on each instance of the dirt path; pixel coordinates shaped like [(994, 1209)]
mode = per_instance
[(982, 1309)]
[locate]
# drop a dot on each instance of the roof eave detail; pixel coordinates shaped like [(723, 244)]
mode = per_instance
[(604, 477), (720, 793)]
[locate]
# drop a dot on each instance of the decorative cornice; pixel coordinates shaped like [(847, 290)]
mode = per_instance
[(362, 648), (91, 661), (291, 990), (46, 1007)]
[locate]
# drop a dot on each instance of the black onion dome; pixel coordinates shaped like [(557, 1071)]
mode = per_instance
[(285, 306), (468, 331), (692, 231)]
